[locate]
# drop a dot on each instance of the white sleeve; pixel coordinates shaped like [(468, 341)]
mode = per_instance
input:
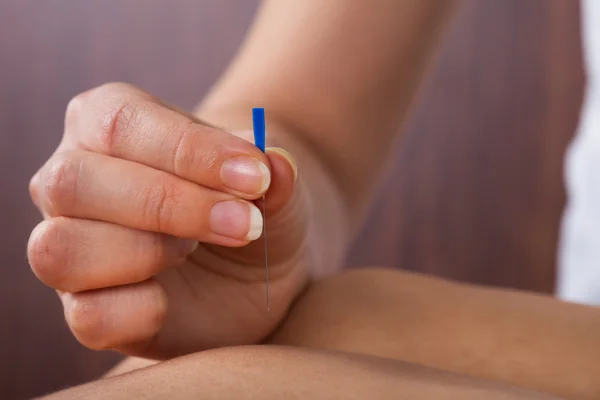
[(579, 250)]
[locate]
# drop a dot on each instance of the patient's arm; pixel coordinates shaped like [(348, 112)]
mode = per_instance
[(512, 337), (271, 372), (507, 336)]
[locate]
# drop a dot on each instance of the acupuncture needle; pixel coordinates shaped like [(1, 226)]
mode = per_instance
[(258, 125)]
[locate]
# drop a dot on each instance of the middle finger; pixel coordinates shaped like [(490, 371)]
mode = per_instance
[(121, 121)]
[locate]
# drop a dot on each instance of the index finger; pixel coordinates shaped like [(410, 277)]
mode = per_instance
[(122, 121)]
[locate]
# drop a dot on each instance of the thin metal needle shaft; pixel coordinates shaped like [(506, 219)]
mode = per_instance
[(258, 126), (266, 256)]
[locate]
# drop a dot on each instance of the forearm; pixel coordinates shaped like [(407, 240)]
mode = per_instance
[(338, 78), (343, 74), (517, 338), (283, 372), (514, 338)]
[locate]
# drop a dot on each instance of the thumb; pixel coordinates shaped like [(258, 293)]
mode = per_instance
[(285, 218), (284, 173), (286, 209)]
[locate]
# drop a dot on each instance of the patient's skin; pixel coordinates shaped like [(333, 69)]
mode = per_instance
[(364, 333), (273, 372), (517, 338)]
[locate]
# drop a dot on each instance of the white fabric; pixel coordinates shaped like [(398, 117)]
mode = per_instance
[(579, 257)]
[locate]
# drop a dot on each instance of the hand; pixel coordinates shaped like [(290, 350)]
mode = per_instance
[(149, 231)]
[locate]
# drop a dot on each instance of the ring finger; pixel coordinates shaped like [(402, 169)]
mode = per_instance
[(73, 255), (98, 187)]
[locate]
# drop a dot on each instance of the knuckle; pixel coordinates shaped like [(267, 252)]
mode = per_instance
[(117, 122), (46, 253), (120, 110), (160, 308), (151, 255), (34, 188), (184, 156), (73, 110), (192, 154), (211, 158), (159, 203), (153, 250), (61, 182), (86, 319)]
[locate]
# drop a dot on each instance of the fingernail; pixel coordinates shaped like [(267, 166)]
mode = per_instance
[(245, 174), (187, 246), (290, 159), (236, 219)]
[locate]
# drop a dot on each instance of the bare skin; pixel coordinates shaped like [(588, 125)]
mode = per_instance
[(516, 338), (150, 225), (381, 334), (273, 372)]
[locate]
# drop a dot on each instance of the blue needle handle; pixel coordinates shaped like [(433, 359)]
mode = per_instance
[(258, 123)]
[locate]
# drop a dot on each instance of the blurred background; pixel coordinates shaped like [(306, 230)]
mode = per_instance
[(474, 193)]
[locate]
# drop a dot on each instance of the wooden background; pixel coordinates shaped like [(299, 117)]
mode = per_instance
[(475, 192)]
